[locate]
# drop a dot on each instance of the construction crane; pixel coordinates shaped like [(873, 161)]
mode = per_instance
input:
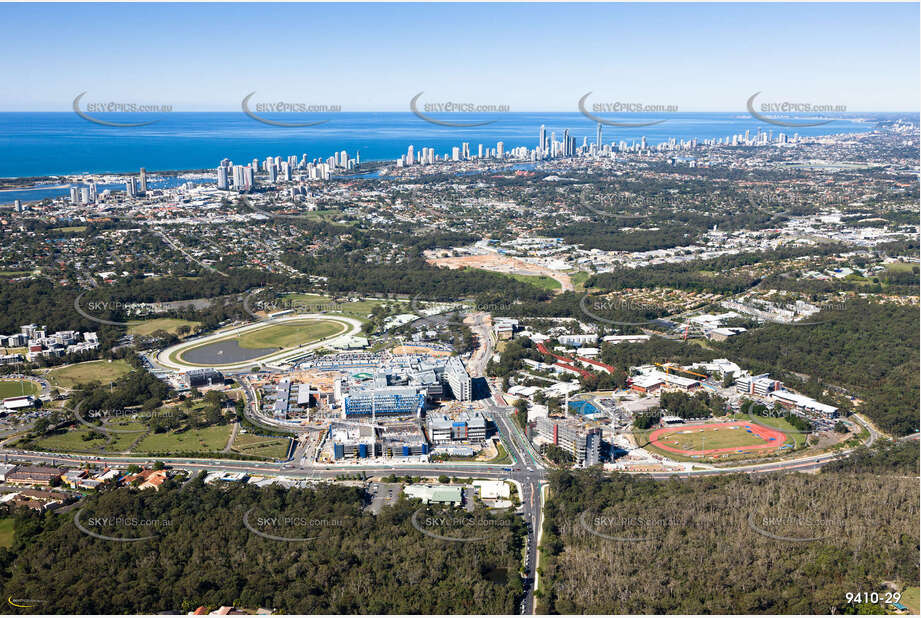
[(668, 366)]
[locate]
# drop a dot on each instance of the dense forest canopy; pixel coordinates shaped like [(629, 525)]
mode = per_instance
[(204, 554), (869, 349), (627, 545)]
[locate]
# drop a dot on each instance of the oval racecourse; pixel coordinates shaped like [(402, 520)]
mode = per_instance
[(259, 343), (713, 439)]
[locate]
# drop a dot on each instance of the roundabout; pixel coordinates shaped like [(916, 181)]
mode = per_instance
[(259, 343)]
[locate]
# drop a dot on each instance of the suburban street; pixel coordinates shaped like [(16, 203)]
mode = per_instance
[(526, 468)]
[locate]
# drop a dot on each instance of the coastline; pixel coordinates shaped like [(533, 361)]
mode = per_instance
[(196, 141)]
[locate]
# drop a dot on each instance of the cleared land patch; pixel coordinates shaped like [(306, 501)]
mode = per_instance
[(170, 325), (90, 371), (261, 446)]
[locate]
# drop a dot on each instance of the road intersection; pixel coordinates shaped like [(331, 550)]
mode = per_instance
[(528, 469)]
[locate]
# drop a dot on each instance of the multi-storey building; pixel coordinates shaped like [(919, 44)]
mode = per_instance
[(456, 376), (467, 426), (583, 443)]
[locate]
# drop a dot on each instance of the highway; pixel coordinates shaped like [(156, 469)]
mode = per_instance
[(526, 470)]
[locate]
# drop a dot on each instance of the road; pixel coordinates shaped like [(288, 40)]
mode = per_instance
[(529, 473), (526, 469), (173, 244), (480, 325)]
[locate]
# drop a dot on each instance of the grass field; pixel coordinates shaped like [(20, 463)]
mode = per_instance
[(777, 423), (712, 439), (903, 267), (541, 281), (6, 531), (578, 279), (317, 303), (99, 371), (911, 597), (712, 443), (209, 439), (501, 455), (261, 446), (17, 388), (289, 334), (72, 441), (170, 325)]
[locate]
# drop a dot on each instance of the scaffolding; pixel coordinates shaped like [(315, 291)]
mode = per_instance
[(386, 401)]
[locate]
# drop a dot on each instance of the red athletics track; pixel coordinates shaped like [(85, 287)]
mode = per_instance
[(765, 433)]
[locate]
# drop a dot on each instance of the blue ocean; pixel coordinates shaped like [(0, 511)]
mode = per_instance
[(54, 143)]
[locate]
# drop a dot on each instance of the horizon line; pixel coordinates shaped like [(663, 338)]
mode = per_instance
[(497, 113)]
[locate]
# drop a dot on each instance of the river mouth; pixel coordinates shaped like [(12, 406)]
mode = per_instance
[(225, 352)]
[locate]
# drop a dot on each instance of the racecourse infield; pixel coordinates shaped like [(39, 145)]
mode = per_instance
[(258, 342)]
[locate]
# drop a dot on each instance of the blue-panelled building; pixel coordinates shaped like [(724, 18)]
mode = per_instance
[(384, 401)]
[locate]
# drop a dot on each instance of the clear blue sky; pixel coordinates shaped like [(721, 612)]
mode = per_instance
[(532, 57)]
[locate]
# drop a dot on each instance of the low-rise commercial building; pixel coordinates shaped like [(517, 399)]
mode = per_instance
[(803, 403), (35, 499), (493, 490), (33, 475), (19, 403), (575, 341), (197, 378), (757, 385), (652, 381), (439, 494)]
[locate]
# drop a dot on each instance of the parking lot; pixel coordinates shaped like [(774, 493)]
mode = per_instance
[(383, 493)]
